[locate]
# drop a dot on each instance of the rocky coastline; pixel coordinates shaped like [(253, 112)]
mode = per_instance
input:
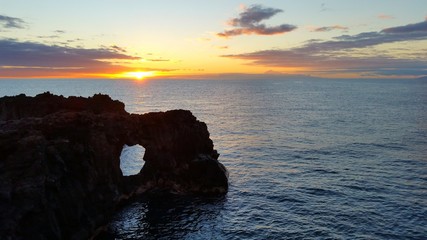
[(60, 175)]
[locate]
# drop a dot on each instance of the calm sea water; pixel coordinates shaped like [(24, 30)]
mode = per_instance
[(324, 159)]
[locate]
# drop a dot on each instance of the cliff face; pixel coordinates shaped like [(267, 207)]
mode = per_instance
[(60, 175)]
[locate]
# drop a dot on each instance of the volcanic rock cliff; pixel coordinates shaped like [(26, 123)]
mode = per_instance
[(60, 175)]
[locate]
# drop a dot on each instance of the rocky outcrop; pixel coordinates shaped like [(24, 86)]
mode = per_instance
[(60, 175)]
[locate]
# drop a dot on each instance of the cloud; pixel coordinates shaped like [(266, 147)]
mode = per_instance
[(323, 8), (337, 55), (36, 54), (253, 15), (48, 37), (117, 49), (57, 34), (11, 22), (32, 57), (329, 28), (385, 16), (249, 22), (410, 28), (74, 40), (157, 60)]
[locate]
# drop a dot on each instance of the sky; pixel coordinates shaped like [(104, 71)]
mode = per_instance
[(207, 39)]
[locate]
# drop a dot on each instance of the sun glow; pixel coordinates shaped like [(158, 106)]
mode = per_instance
[(139, 75)]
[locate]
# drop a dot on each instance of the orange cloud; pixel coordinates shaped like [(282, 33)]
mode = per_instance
[(384, 16)]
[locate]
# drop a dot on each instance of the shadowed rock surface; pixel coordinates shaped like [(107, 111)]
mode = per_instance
[(60, 175)]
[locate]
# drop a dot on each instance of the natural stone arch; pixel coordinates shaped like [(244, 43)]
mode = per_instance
[(61, 173)]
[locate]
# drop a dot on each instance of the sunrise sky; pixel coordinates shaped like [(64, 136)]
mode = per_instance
[(207, 39)]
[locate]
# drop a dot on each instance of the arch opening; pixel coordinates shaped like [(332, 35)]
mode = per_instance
[(131, 159)]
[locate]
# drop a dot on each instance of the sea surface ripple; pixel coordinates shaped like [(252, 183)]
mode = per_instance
[(322, 159)]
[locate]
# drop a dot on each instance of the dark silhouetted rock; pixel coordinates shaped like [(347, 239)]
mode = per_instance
[(60, 175)]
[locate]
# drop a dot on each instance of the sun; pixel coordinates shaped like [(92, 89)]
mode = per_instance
[(139, 75)]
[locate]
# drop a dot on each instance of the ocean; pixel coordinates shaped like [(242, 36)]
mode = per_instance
[(308, 158)]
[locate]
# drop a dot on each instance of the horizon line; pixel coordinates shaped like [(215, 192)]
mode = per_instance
[(215, 76)]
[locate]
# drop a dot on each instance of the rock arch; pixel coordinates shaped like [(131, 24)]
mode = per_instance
[(60, 162)]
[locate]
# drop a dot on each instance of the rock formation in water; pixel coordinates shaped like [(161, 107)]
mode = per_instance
[(60, 175)]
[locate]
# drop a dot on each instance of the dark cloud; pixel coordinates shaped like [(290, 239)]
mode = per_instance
[(330, 56), (249, 20), (36, 54), (57, 34), (378, 65), (367, 39), (118, 49), (48, 37), (402, 71), (330, 28), (11, 22), (74, 40), (36, 57), (410, 28), (253, 15)]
